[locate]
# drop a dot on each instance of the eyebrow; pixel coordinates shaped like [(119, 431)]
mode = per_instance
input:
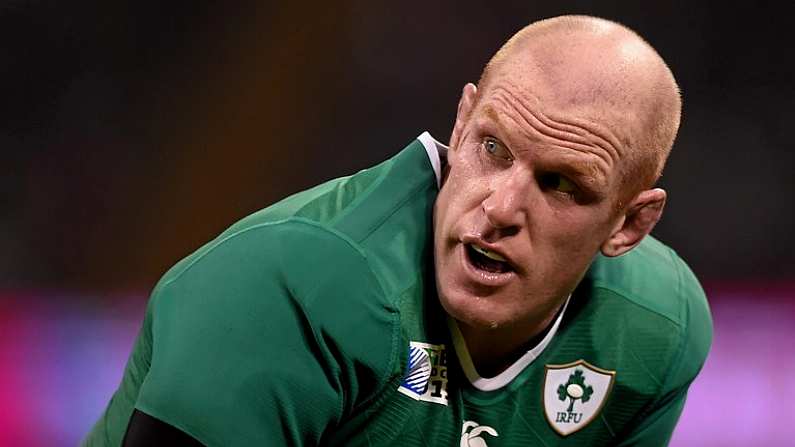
[(491, 112), (588, 173)]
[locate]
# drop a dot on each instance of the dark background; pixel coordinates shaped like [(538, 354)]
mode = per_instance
[(133, 131)]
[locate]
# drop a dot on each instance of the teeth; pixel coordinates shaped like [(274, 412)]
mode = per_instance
[(489, 254)]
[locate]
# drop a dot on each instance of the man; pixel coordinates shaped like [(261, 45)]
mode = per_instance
[(523, 305)]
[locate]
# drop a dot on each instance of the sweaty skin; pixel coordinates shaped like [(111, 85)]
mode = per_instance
[(543, 172)]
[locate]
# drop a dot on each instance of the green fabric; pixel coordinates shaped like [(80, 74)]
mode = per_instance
[(293, 328)]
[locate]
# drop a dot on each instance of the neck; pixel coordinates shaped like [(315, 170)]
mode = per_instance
[(493, 350)]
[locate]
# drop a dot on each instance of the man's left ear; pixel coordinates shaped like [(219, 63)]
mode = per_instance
[(638, 220)]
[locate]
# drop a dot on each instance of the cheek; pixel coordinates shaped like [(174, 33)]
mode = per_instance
[(575, 236), (459, 194)]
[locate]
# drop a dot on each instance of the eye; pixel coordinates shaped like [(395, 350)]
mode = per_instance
[(495, 148), (557, 182)]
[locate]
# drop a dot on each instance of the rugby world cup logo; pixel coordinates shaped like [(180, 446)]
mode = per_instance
[(425, 377), (418, 371)]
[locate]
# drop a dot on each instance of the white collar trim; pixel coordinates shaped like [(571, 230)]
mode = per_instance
[(436, 151), (504, 378)]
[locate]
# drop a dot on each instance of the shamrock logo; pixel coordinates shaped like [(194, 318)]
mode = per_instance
[(574, 389)]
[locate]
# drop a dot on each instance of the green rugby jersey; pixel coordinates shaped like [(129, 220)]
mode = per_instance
[(316, 321)]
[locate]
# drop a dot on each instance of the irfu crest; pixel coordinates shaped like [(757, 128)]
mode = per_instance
[(574, 394)]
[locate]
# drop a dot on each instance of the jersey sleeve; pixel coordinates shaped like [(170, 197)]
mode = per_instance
[(657, 424), (274, 335), (111, 426)]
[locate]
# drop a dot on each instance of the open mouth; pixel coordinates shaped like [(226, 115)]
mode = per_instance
[(487, 260)]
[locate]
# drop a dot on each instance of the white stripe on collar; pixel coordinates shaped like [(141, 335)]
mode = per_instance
[(507, 376), (436, 151)]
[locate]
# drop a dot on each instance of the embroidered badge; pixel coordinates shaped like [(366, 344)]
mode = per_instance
[(574, 394), (426, 373)]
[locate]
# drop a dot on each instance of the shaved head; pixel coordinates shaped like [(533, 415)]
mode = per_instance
[(605, 72)]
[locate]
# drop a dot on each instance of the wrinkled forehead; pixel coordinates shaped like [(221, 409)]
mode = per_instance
[(536, 113)]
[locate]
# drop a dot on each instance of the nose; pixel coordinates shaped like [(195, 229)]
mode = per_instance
[(505, 207)]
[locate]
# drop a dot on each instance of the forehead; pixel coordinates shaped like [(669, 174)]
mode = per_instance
[(580, 105), (566, 141), (521, 115)]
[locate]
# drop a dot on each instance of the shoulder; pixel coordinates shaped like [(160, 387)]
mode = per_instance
[(321, 270), (331, 257), (328, 259), (277, 288), (663, 303), (384, 214), (320, 233), (358, 204)]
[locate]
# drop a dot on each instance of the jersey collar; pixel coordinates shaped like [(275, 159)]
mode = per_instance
[(504, 378), (437, 154)]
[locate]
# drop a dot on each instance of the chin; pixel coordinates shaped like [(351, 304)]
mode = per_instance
[(474, 311)]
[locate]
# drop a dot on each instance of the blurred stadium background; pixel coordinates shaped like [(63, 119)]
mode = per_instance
[(134, 131)]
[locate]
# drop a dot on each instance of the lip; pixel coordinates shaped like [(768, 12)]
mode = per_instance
[(472, 239), (482, 277)]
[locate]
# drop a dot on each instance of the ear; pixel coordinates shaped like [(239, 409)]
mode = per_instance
[(639, 219), (465, 106)]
